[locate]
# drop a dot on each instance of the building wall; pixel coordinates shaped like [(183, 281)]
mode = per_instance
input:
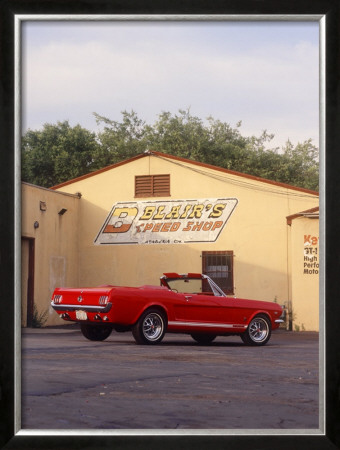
[(256, 232), (305, 273), (55, 245)]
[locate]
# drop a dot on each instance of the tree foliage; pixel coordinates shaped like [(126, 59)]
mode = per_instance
[(59, 152)]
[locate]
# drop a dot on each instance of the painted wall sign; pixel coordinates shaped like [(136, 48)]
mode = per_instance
[(166, 222), (311, 256)]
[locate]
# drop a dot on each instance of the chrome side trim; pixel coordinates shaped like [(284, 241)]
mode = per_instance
[(90, 308), (206, 324)]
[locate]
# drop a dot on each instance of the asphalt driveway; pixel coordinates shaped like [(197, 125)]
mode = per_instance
[(69, 382)]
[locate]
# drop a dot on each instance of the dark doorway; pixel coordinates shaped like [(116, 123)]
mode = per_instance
[(27, 281)]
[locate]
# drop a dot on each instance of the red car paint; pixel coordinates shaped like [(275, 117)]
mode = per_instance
[(204, 315)]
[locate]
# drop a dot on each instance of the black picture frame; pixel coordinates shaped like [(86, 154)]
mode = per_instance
[(330, 9)]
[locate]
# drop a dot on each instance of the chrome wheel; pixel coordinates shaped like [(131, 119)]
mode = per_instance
[(258, 331), (153, 326), (150, 327)]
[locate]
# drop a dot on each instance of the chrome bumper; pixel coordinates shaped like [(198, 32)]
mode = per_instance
[(88, 308)]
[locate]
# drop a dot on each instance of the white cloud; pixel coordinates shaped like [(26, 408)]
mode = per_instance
[(272, 86)]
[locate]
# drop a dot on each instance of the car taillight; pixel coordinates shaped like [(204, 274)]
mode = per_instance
[(103, 300), (58, 298)]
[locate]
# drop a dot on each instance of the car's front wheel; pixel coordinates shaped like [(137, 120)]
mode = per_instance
[(95, 332), (203, 339), (258, 331), (150, 327)]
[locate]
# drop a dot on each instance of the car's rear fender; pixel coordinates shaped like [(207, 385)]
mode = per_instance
[(152, 305)]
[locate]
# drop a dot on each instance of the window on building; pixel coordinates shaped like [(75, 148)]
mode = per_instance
[(152, 185), (219, 267)]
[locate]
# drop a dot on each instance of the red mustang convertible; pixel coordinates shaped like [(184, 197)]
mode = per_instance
[(190, 303)]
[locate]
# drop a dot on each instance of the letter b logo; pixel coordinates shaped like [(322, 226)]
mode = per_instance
[(121, 220)]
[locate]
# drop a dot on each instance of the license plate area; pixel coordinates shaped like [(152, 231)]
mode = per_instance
[(81, 315)]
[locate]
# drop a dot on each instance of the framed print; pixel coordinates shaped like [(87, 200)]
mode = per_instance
[(107, 110)]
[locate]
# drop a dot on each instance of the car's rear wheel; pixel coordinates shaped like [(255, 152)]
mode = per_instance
[(150, 327), (95, 332), (202, 338), (258, 331)]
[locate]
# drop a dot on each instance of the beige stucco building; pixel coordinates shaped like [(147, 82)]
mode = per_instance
[(154, 213), (303, 262), (49, 248)]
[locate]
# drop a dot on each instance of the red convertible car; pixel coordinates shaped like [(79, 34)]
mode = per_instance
[(190, 303)]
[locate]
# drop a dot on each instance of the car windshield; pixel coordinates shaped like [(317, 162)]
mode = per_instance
[(194, 286), (191, 286)]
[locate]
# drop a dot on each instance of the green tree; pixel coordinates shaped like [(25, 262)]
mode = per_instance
[(119, 140), (218, 143), (57, 153), (301, 165), (181, 135)]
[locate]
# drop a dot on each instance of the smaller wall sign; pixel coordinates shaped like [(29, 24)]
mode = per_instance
[(311, 255), (166, 222)]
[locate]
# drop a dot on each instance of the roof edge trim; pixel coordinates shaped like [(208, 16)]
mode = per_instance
[(50, 190), (187, 161), (97, 172), (300, 214)]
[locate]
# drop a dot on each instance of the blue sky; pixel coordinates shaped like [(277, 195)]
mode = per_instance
[(265, 74)]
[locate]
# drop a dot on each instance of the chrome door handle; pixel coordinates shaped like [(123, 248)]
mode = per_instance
[(187, 297)]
